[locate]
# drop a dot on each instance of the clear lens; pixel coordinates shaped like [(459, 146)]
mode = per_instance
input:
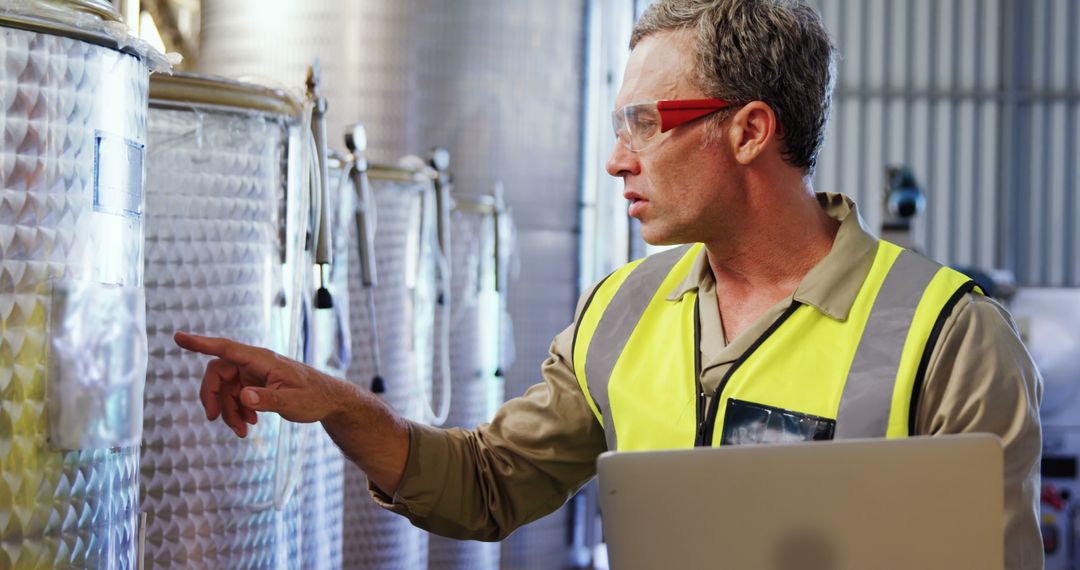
[(636, 126)]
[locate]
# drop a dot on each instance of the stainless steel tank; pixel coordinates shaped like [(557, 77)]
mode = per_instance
[(72, 337), (404, 246), (223, 198), (468, 345), (321, 487)]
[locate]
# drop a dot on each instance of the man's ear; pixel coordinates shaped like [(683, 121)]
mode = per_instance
[(753, 129)]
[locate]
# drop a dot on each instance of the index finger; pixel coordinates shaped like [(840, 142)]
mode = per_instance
[(236, 352)]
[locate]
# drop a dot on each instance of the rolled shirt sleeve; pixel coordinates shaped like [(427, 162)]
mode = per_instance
[(981, 378), (534, 455)]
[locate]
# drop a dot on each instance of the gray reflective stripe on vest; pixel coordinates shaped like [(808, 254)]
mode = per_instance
[(868, 393), (618, 321)]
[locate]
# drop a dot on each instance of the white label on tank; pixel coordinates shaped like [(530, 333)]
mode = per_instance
[(118, 175), (96, 359)]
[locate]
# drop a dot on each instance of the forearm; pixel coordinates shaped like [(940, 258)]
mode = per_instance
[(370, 434), (483, 483)]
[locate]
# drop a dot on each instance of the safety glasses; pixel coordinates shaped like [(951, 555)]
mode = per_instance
[(638, 126)]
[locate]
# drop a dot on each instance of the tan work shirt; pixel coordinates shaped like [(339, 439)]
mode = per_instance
[(540, 448)]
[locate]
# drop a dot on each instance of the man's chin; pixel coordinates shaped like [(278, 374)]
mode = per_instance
[(661, 239)]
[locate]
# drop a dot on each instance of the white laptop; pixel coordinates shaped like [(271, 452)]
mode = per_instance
[(924, 503)]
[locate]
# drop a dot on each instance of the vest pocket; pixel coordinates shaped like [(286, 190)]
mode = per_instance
[(752, 423)]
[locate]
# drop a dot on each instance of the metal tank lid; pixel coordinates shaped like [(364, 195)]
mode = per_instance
[(419, 179), (87, 20), (186, 89), (484, 204), (391, 173), (47, 9), (101, 8), (401, 173)]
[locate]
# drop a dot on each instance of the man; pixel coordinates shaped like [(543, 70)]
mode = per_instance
[(785, 317)]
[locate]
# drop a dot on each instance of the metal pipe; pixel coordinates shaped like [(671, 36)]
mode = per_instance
[(1072, 84), (975, 235), (324, 252), (1015, 140), (356, 142), (931, 140), (909, 79), (861, 169), (440, 161), (886, 80), (1045, 225), (952, 231)]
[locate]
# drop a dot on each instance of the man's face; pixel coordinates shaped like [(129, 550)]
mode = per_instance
[(677, 186)]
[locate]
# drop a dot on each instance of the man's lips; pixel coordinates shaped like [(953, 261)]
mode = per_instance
[(637, 203)]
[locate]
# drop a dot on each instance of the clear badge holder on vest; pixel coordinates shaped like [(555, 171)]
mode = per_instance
[(750, 423)]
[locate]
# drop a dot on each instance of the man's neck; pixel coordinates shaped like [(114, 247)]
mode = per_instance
[(777, 246)]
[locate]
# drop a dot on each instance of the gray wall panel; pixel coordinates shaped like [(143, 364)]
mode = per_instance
[(979, 98), (1057, 222), (920, 18), (988, 232), (539, 283)]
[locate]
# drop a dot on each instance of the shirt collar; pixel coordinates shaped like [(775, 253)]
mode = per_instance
[(832, 284)]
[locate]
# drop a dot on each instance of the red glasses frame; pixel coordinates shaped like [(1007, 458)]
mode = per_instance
[(675, 112)]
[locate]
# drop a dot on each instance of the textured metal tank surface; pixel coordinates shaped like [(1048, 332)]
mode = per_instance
[(474, 347), (373, 537), (321, 501), (215, 182), (72, 113)]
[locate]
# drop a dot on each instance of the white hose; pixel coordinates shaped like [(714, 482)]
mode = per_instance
[(444, 357), (287, 475), (309, 202), (426, 389), (283, 493)]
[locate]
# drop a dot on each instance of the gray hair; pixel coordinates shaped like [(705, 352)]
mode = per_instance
[(775, 51)]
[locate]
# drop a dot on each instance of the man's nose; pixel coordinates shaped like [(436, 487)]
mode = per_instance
[(622, 162)]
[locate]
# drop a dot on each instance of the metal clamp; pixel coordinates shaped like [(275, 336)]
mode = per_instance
[(440, 161)]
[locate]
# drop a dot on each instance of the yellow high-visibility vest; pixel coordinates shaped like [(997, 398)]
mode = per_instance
[(809, 376)]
